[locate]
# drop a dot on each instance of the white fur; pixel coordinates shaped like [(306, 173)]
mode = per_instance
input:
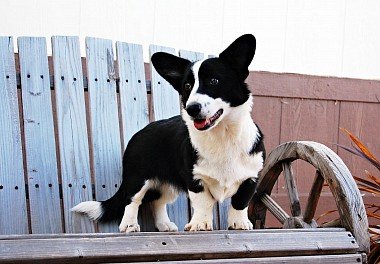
[(161, 218), (129, 221), (202, 204), (224, 161), (93, 209), (238, 219)]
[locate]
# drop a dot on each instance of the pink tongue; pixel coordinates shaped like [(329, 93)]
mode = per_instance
[(199, 124)]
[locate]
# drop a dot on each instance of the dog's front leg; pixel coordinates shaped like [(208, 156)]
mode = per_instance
[(238, 212), (202, 203)]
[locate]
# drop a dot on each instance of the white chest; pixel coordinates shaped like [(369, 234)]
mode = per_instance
[(223, 177)]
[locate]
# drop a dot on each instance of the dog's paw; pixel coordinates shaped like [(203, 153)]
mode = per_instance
[(128, 228), (243, 224), (199, 226), (166, 227)]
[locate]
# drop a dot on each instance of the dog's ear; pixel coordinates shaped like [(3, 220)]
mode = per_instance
[(171, 68), (240, 54)]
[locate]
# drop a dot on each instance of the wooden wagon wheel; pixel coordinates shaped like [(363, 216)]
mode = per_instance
[(330, 169)]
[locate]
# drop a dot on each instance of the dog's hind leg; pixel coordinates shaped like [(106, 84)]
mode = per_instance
[(161, 218), (129, 221)]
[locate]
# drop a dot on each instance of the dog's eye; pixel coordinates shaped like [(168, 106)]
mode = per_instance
[(187, 86), (214, 81)]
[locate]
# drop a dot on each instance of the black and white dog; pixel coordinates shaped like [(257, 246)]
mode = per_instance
[(213, 151)]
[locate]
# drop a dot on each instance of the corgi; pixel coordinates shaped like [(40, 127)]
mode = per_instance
[(212, 151)]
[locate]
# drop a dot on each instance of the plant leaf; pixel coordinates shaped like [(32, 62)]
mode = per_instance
[(362, 147), (372, 177)]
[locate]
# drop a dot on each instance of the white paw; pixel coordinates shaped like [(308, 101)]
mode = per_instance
[(243, 224), (166, 227), (129, 227), (199, 226)]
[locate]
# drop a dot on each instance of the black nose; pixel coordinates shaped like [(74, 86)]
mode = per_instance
[(194, 109)]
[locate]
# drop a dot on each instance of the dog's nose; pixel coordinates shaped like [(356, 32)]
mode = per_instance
[(193, 109)]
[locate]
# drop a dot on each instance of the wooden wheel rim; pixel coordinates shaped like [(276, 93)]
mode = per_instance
[(331, 167)]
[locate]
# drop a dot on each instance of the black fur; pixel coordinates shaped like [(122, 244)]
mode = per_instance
[(244, 194)]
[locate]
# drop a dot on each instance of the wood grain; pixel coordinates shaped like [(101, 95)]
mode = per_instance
[(72, 131), (313, 199), (291, 186), (363, 120), (314, 87), (165, 98), (132, 89), (308, 120), (204, 245), (39, 136), (105, 132), (332, 259), (12, 184)]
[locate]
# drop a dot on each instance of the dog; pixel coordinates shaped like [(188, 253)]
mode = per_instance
[(212, 151)]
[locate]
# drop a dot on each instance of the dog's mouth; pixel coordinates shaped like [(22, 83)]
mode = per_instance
[(203, 124)]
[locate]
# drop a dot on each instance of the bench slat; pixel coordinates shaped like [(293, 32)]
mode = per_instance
[(206, 245), (105, 132), (40, 148), (166, 103), (323, 259), (72, 131), (11, 169), (133, 105)]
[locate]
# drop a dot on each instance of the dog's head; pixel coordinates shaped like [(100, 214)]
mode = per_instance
[(210, 88)]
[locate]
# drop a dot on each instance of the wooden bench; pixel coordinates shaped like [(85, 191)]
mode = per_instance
[(62, 146)]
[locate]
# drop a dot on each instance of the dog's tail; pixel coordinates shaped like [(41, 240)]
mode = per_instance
[(105, 211)]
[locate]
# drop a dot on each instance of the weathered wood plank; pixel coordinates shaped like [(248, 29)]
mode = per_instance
[(40, 148), (323, 259), (314, 87), (72, 131), (166, 104), (313, 199), (290, 181), (12, 184), (274, 208), (133, 97), (225, 232), (363, 120), (335, 173), (133, 105), (298, 122), (105, 132), (165, 99), (205, 245)]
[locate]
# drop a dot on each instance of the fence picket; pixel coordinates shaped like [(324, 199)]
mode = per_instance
[(72, 131), (39, 136), (105, 140), (133, 105), (12, 184)]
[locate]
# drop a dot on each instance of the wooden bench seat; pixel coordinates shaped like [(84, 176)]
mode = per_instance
[(268, 246)]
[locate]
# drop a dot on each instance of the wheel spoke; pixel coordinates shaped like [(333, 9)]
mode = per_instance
[(312, 201), (274, 208), (291, 186), (333, 223)]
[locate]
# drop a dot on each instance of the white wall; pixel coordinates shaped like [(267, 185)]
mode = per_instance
[(320, 37)]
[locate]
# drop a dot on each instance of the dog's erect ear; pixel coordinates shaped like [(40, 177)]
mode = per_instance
[(171, 68), (240, 54)]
